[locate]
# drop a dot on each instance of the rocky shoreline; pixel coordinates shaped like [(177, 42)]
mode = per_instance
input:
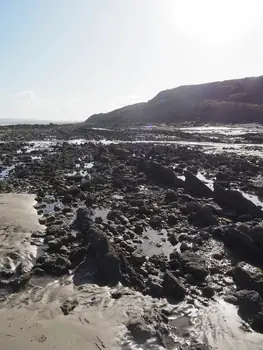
[(168, 221)]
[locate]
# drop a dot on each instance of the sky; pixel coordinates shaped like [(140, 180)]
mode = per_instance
[(64, 60)]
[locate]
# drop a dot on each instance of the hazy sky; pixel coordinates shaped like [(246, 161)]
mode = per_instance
[(68, 59)]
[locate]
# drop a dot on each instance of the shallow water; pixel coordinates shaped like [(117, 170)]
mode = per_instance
[(156, 242), (18, 220), (221, 327), (209, 147), (222, 130), (4, 174)]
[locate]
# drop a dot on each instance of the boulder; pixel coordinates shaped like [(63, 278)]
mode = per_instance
[(251, 308), (248, 277), (257, 323), (85, 185), (156, 289), (114, 214), (171, 196), (138, 258), (234, 200), (194, 264), (101, 254), (208, 292), (256, 234), (163, 175), (240, 238), (196, 187), (173, 287), (203, 216), (83, 219), (172, 219), (249, 302)]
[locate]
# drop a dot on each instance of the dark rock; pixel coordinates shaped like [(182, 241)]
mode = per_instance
[(67, 198), (184, 246), (190, 278), (55, 245), (173, 287), (208, 292), (172, 219), (18, 283), (138, 258), (68, 306), (257, 323), (231, 299), (249, 301), (75, 178), (196, 346), (163, 175), (234, 200), (54, 265), (23, 267), (83, 220), (116, 295), (7, 273), (85, 185), (203, 217), (196, 187), (102, 254), (38, 272), (248, 277), (173, 264), (114, 214), (171, 196), (156, 289), (256, 234), (156, 221), (239, 238), (173, 239), (140, 331), (138, 229), (194, 264), (251, 308)]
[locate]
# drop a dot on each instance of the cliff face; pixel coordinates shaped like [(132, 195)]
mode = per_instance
[(231, 101)]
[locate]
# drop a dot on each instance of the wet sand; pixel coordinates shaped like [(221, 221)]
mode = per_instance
[(24, 329), (18, 220), (33, 317)]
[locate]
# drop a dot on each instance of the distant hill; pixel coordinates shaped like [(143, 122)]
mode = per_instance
[(230, 101)]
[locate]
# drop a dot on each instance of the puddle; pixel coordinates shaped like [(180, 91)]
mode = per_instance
[(81, 170), (117, 196), (4, 174), (156, 242), (101, 212)]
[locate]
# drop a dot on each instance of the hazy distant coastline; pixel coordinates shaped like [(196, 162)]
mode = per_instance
[(6, 122)]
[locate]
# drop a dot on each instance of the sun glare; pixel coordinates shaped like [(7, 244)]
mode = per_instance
[(215, 21)]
